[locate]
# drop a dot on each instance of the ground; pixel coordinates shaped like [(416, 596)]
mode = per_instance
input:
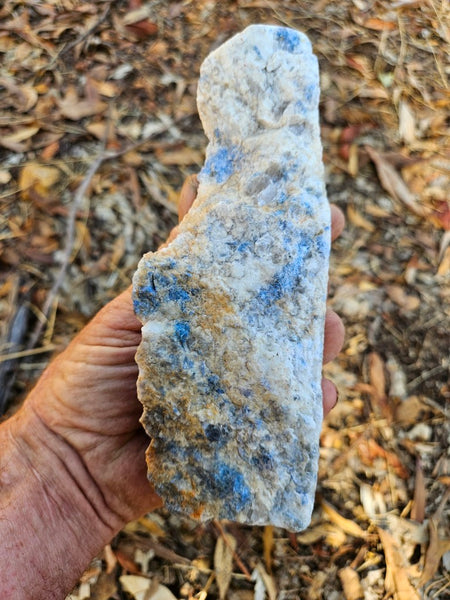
[(98, 129)]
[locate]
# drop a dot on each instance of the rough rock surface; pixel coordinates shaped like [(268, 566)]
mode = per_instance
[(233, 309)]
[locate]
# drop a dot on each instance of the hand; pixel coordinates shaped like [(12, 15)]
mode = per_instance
[(88, 394)]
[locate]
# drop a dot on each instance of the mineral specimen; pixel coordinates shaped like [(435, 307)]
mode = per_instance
[(233, 309)]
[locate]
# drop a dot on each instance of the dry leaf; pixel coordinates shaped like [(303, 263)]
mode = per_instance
[(75, 108), (409, 410), (346, 525), (315, 590), (407, 123), (396, 580), (24, 95), (406, 301), (392, 182), (104, 588), (36, 181), (350, 584), (380, 404), (369, 450), (126, 562), (260, 588), (109, 558), (444, 263), (5, 176), (136, 585), (379, 24), (441, 215), (184, 157), (372, 502), (223, 562), (269, 582), (358, 220), (12, 141), (99, 129), (268, 545), (436, 549), (141, 588), (418, 508)]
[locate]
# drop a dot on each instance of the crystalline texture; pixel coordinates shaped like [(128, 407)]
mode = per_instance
[(233, 309)]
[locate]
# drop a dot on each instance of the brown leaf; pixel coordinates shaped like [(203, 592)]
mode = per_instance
[(392, 182), (408, 411), (143, 29), (441, 215), (348, 526), (369, 450), (36, 181), (406, 301), (223, 562), (357, 219), (396, 580), (379, 24), (184, 157), (49, 151), (407, 123), (435, 551), (126, 562), (12, 141), (380, 404), (268, 545), (75, 109), (24, 96), (350, 584), (420, 493)]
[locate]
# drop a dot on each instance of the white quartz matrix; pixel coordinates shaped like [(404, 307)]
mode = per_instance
[(233, 309)]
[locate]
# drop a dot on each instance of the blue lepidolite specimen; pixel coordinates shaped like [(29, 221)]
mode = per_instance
[(233, 309)]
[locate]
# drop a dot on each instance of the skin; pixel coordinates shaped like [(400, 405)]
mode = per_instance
[(72, 472)]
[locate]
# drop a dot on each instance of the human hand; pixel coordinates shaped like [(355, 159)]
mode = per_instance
[(88, 394)]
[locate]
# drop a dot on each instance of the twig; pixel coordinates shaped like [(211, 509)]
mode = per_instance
[(82, 37), (76, 204), (22, 353), (236, 556)]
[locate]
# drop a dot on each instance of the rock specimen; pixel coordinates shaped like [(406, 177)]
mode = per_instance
[(233, 309)]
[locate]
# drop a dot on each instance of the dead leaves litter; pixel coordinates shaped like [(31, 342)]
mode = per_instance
[(223, 562)]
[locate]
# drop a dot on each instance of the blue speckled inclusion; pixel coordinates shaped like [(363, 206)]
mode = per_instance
[(160, 289), (182, 331), (230, 483), (288, 277), (221, 164), (287, 38)]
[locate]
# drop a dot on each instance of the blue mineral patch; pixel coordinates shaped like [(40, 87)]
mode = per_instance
[(263, 460), (322, 245), (285, 281), (216, 433), (214, 385), (310, 93), (288, 39), (161, 288), (229, 483), (188, 364), (257, 51), (220, 165), (239, 246), (182, 331)]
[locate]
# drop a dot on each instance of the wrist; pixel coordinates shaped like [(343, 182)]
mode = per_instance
[(53, 518)]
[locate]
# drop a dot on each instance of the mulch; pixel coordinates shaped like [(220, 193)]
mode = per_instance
[(99, 128)]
